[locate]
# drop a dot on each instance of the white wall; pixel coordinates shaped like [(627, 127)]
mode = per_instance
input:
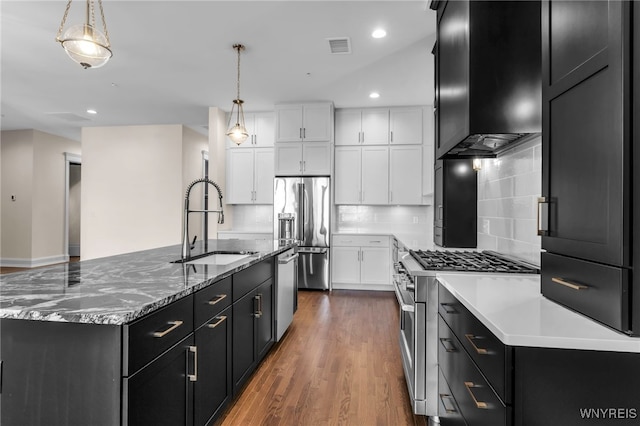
[(33, 169), (508, 188), (132, 188)]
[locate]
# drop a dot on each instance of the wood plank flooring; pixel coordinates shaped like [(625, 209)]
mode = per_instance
[(338, 364)]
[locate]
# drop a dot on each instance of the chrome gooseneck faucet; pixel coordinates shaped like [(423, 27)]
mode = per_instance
[(186, 246)]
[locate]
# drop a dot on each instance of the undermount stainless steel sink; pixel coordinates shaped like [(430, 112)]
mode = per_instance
[(218, 258)]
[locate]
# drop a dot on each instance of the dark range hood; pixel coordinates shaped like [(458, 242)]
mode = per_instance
[(488, 89)]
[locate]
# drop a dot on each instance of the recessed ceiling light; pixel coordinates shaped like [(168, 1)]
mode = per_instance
[(379, 33), (92, 111), (374, 95)]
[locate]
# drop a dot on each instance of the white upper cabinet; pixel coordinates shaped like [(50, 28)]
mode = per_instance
[(362, 126), (405, 175), (250, 176), (311, 122), (361, 175), (405, 126), (261, 129), (303, 158)]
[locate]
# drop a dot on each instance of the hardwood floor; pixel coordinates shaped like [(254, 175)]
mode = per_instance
[(338, 364)]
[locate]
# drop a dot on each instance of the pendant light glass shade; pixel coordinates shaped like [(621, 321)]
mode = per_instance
[(238, 132), (84, 43)]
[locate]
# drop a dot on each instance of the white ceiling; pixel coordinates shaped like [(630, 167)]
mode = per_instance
[(174, 59)]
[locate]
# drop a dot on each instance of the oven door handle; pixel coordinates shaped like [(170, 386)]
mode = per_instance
[(404, 306)]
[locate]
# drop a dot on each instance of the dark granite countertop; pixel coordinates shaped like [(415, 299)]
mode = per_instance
[(118, 289)]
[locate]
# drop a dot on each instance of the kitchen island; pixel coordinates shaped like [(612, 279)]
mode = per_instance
[(135, 338)]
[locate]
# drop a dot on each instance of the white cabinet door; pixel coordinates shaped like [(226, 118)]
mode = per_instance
[(375, 265), (405, 174), (288, 161), (317, 122), (375, 175), (348, 126), (345, 265), (375, 127), (347, 175), (406, 126), (316, 158), (240, 176), (263, 176), (288, 123), (264, 129)]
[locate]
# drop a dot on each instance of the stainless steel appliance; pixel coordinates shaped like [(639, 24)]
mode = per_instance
[(306, 203), (287, 290), (417, 293)]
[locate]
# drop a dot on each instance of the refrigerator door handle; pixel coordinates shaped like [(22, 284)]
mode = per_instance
[(313, 251), (301, 212)]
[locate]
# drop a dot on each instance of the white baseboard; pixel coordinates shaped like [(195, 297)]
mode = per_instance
[(33, 263), (369, 287)]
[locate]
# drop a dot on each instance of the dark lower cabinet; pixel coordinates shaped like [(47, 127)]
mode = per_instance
[(253, 331), (448, 409), (213, 389), (161, 392)]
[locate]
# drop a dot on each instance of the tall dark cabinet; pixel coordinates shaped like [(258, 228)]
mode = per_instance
[(586, 213), (455, 217)]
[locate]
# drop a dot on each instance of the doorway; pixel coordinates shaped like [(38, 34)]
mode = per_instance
[(72, 228)]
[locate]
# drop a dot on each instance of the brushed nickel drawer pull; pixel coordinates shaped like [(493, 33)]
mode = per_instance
[(220, 319), (174, 325), (569, 284), (218, 298), (451, 408), (451, 348), (480, 351), (450, 310), (479, 404), (194, 377)]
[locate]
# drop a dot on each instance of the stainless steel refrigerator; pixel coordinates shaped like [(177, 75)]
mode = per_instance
[(302, 213)]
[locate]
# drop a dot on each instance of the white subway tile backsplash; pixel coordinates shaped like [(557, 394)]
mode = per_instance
[(508, 188)]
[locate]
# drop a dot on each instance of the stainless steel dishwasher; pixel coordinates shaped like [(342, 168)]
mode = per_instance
[(287, 290)]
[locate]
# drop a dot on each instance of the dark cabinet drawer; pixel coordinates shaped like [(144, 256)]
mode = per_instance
[(448, 410), (487, 351), (212, 300), (248, 279), (597, 291), (153, 334), (476, 399)]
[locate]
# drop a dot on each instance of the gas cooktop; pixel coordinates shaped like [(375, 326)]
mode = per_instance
[(471, 261)]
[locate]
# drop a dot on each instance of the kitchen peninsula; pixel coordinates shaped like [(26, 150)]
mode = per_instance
[(136, 338)]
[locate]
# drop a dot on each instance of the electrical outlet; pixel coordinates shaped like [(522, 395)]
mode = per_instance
[(485, 226), (13, 198), (415, 219)]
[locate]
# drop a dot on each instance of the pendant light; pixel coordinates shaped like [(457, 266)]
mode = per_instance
[(238, 132), (84, 43)]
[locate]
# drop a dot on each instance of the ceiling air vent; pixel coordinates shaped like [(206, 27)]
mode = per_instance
[(339, 45)]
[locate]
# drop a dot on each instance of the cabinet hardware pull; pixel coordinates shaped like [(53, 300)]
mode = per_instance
[(444, 341), (480, 351), (479, 404), (258, 299), (194, 377), (542, 229), (304, 133), (300, 132), (304, 166), (569, 284), (391, 132), (450, 310), (300, 166), (218, 298), (390, 195), (375, 241), (174, 325), (451, 408), (220, 319)]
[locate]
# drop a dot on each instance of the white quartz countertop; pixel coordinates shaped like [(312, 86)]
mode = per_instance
[(513, 309)]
